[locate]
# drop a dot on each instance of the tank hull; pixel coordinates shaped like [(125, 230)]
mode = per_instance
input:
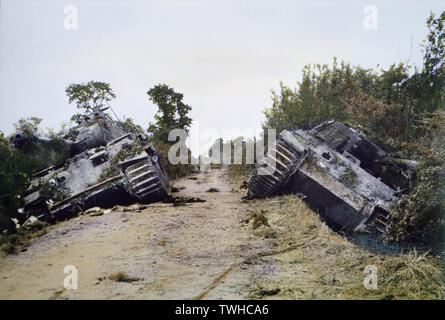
[(108, 166), (327, 167)]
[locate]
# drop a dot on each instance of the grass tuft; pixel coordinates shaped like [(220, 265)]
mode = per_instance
[(122, 277)]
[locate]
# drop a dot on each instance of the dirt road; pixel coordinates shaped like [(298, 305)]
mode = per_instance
[(223, 248), (193, 251)]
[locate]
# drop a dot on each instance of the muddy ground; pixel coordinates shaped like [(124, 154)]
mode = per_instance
[(223, 248)]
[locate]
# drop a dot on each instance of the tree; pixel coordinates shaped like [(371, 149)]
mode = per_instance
[(172, 112), (434, 64), (129, 125), (325, 92), (29, 126), (15, 170), (319, 96), (89, 96)]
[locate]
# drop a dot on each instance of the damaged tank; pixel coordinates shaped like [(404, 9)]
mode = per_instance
[(102, 164), (346, 177)]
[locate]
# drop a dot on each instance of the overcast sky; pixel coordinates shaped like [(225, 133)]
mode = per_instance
[(225, 56)]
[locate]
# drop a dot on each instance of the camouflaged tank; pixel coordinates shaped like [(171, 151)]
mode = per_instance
[(103, 164), (347, 178)]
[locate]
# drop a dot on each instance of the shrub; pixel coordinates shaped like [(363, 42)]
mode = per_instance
[(173, 170), (15, 170)]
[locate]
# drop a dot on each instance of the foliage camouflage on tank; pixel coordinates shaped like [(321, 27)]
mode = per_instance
[(104, 164)]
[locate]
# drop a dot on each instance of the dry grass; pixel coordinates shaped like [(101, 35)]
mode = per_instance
[(13, 243), (122, 277), (326, 265), (239, 172), (410, 276), (173, 170)]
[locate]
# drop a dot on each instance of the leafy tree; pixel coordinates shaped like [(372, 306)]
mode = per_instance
[(319, 96), (172, 112), (60, 133), (433, 72), (29, 126), (325, 92), (15, 170), (129, 125), (44, 148), (90, 96)]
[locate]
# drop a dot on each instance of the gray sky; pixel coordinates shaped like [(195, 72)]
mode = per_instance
[(225, 56)]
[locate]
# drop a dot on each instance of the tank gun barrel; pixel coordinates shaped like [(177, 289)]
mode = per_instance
[(408, 163)]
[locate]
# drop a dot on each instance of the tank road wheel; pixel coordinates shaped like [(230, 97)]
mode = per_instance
[(273, 172), (145, 180)]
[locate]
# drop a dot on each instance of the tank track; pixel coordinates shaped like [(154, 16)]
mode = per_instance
[(146, 180), (287, 160)]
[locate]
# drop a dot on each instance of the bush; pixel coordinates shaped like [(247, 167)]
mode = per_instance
[(173, 170), (15, 170), (113, 167)]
